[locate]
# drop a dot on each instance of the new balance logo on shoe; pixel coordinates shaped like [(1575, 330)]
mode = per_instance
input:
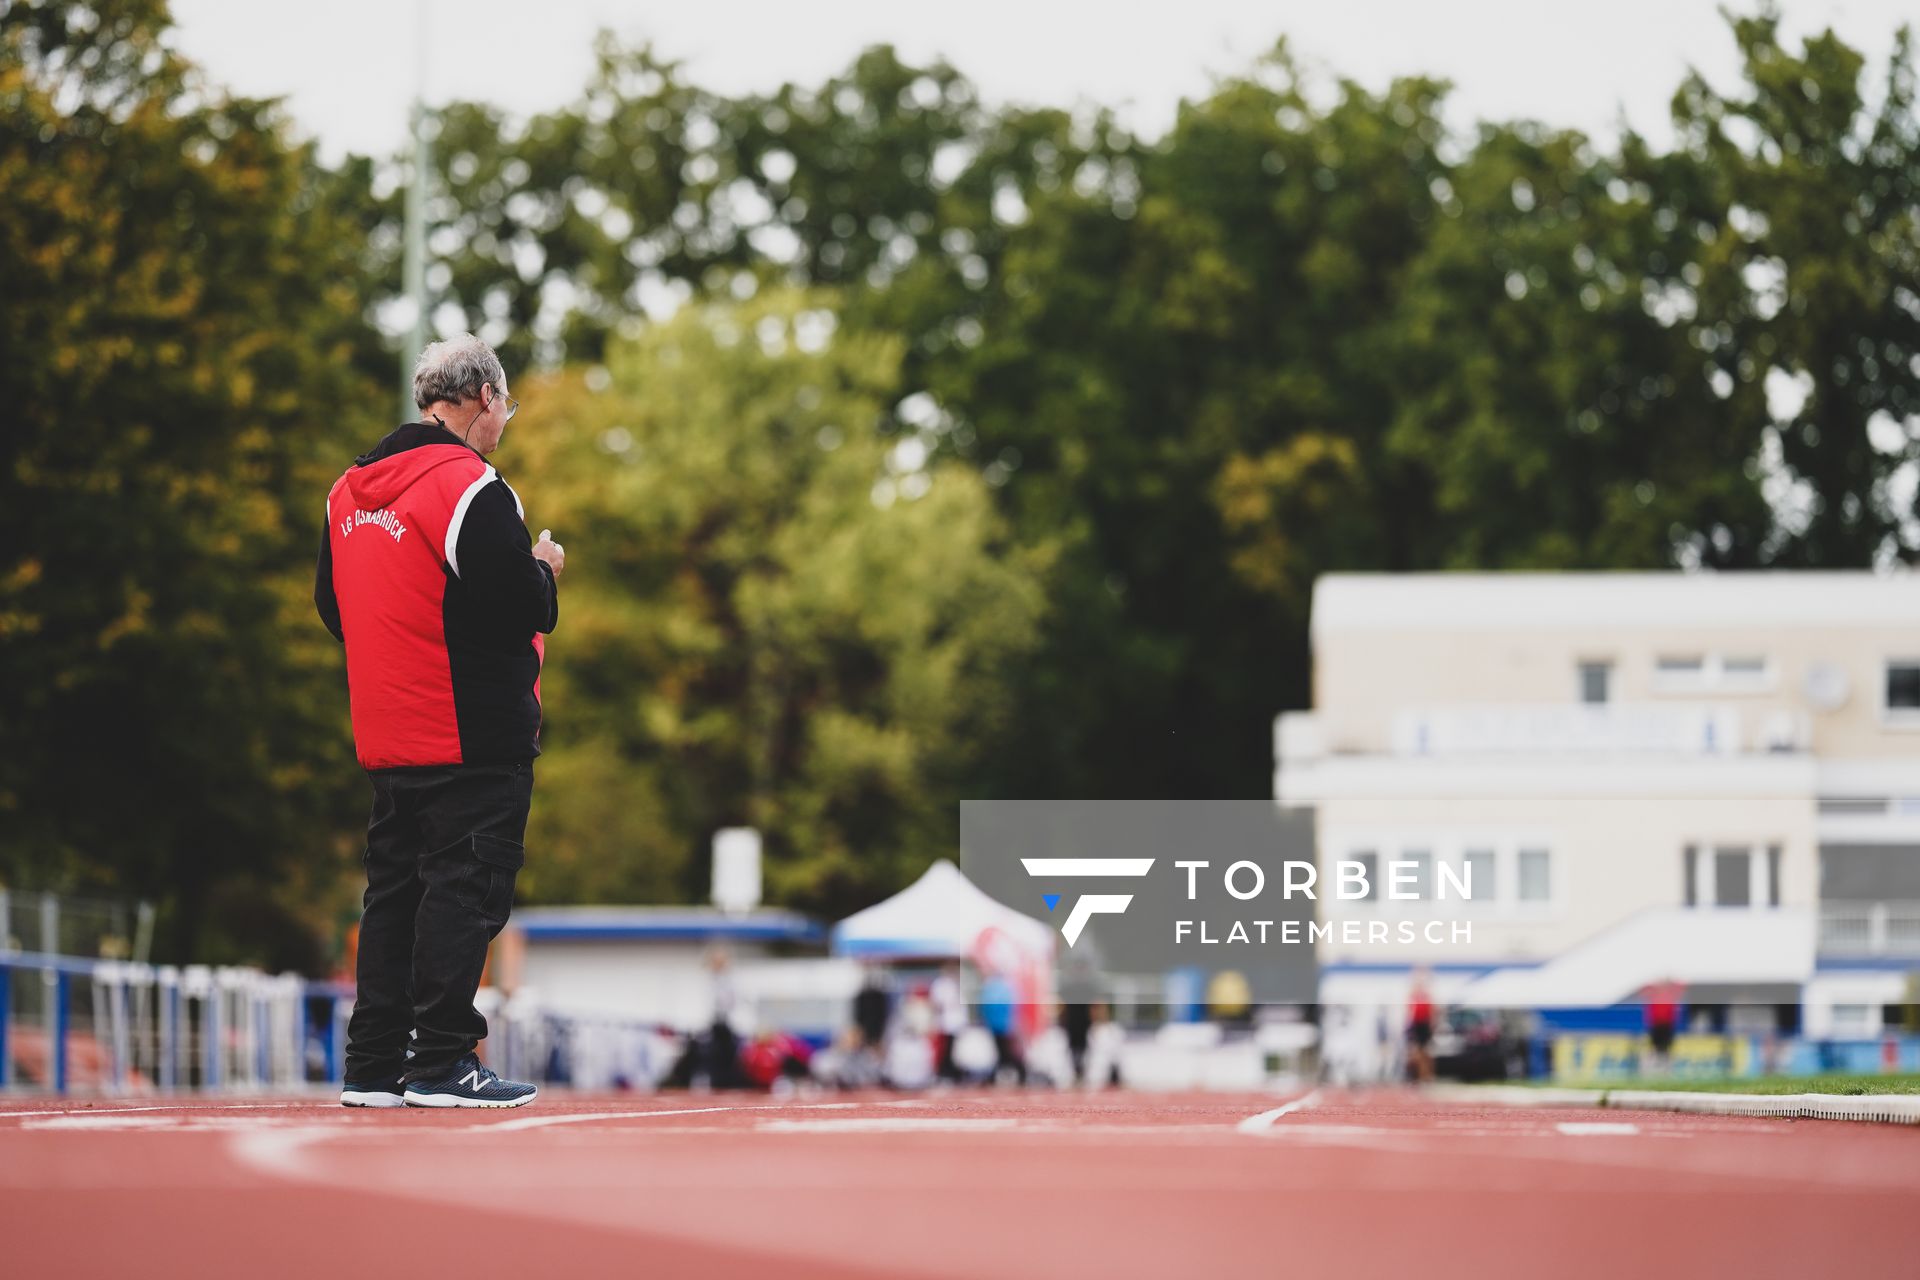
[(477, 1086)]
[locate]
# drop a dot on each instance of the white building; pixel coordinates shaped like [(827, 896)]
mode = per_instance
[(1712, 778), (656, 965)]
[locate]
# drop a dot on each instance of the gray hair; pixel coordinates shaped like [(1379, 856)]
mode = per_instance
[(455, 369)]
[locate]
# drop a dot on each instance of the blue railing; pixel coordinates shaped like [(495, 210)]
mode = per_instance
[(175, 1027)]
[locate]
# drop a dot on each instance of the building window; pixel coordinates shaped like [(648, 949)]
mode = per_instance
[(1423, 872), (1596, 683), (1370, 864), (1478, 865), (1732, 877), (1854, 1019), (1712, 672), (1852, 806), (1536, 884), (1903, 687)]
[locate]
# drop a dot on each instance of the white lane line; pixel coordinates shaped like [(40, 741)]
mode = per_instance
[(215, 1105), (44, 1112), (893, 1124), (1008, 1126), (146, 1118), (105, 1121), (280, 1152), (1595, 1128), (543, 1122), (1265, 1120)]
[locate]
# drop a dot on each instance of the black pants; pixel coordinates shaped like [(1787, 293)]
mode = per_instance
[(948, 1069), (1009, 1056), (1077, 1021), (443, 848)]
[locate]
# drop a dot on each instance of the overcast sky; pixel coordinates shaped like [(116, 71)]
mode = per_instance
[(348, 68)]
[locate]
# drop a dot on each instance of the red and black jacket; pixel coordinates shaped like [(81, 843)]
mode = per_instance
[(427, 573)]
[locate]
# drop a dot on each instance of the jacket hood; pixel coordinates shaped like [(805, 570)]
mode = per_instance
[(397, 463)]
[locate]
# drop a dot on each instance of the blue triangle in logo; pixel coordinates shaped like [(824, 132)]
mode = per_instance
[(1051, 899)]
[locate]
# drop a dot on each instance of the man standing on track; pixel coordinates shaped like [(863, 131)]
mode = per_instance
[(1663, 1018), (429, 577), (1420, 1029)]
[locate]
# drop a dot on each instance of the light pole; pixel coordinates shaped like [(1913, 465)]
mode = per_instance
[(415, 263)]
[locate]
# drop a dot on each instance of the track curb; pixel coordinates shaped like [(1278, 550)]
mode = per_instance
[(1872, 1108)]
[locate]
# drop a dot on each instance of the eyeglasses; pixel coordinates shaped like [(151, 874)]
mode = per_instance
[(513, 406)]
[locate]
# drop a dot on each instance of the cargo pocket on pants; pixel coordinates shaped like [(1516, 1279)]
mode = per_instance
[(488, 887)]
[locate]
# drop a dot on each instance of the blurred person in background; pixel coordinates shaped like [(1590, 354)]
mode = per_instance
[(1230, 1000), (1420, 1028), (776, 1061), (860, 1062), (1663, 1021), (845, 1063), (950, 1016), (722, 1049), (998, 1009), (872, 1009), (854, 1059), (427, 574), (1078, 991), (910, 1059)]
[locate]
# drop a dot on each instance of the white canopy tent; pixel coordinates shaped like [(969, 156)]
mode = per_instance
[(941, 915)]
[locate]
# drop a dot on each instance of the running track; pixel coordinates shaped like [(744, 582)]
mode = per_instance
[(958, 1185)]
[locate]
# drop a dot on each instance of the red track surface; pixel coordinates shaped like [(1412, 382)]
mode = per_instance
[(974, 1185)]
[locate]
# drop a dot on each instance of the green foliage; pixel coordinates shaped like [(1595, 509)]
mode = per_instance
[(1296, 334), (180, 348), (1799, 201), (1100, 409), (770, 616), (1186, 367), (1543, 381)]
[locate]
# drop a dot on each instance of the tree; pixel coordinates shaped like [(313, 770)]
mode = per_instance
[(1543, 377), (1798, 201), (184, 351), (773, 616), (889, 181), (1162, 383), (1204, 318)]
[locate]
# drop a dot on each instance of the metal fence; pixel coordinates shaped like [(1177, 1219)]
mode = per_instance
[(69, 1024), (65, 925)]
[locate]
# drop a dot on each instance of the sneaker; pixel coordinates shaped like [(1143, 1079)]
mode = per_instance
[(469, 1084), (387, 1092)]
